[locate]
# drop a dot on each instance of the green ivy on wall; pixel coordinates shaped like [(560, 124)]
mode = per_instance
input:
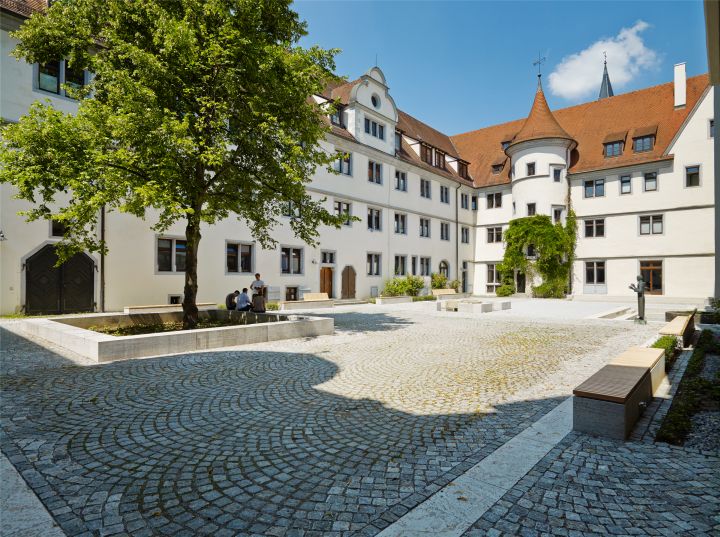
[(554, 246)]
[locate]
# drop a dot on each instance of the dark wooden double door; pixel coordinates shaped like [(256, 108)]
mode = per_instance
[(651, 272), (69, 288)]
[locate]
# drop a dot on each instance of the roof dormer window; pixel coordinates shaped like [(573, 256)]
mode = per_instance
[(613, 149), (463, 170), (497, 168), (336, 117), (439, 160), (426, 153), (644, 139)]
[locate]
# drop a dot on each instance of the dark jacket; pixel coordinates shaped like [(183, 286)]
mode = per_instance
[(230, 301)]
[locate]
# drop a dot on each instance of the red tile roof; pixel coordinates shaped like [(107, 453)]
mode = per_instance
[(24, 8), (589, 124), (540, 123)]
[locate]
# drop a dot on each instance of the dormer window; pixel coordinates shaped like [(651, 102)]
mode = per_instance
[(398, 142), (336, 117), (497, 168), (643, 143), (613, 149), (463, 170), (439, 160), (426, 153)]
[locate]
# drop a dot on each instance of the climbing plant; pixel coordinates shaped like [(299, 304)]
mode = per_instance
[(554, 253)]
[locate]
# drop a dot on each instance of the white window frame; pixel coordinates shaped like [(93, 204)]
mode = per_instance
[(429, 226), (444, 231), (379, 219), (400, 181), (400, 225), (699, 168), (290, 258), (252, 257), (403, 265), (620, 184), (653, 219), (645, 181), (374, 263), (465, 235)]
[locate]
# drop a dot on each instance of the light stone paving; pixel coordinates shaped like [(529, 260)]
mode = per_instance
[(335, 435)]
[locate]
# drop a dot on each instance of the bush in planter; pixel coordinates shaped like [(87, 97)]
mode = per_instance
[(424, 298), (550, 289), (438, 281), (506, 289), (413, 285), (669, 345), (407, 286), (272, 306), (454, 284)]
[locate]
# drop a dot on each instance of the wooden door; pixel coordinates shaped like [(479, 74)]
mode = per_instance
[(326, 281), (68, 288), (348, 283), (651, 272)]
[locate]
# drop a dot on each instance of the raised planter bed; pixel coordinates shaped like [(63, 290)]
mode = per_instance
[(382, 300), (73, 333)]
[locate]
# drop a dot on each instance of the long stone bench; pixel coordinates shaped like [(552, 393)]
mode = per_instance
[(650, 358), (160, 308), (682, 327), (444, 294), (310, 300), (384, 300)]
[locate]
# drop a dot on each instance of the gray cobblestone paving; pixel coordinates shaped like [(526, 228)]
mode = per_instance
[(336, 435)]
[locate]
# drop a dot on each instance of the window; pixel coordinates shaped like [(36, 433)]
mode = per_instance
[(335, 118), (425, 188), (426, 153), (400, 265), (425, 266), (557, 174), (343, 164), (595, 188), (493, 278), (652, 273), (444, 231), (291, 293), (424, 227), (374, 172), (651, 225), (711, 127), (374, 219), (494, 234), (238, 257), (474, 203), (613, 149), (400, 181), (531, 250), (52, 76), (401, 223), (373, 264), (413, 265), (643, 143), (439, 160), (175, 299), (327, 258), (497, 168), (595, 272), (595, 228), (650, 183), (57, 229), (444, 194), (692, 176), (343, 208), (465, 235), (557, 214), (373, 128), (444, 269), (171, 255), (291, 260), (530, 168), (625, 184), (494, 200), (463, 170), (375, 100), (398, 142), (464, 201), (531, 209)]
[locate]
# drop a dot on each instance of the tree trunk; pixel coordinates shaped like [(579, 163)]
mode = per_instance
[(192, 235)]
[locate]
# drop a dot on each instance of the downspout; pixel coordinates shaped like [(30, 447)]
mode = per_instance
[(102, 259), (568, 203), (457, 233), (716, 142)]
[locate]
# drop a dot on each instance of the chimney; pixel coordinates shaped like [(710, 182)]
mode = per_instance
[(680, 85)]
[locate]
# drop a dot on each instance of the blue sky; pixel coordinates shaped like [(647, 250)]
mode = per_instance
[(460, 66)]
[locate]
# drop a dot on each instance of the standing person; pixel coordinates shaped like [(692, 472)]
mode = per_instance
[(230, 300), (243, 301), (258, 299)]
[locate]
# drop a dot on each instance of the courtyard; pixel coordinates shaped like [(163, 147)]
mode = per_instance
[(342, 434)]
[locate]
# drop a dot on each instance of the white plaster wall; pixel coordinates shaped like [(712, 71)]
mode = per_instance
[(540, 189)]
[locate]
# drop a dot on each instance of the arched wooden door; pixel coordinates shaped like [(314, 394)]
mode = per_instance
[(68, 288), (348, 283)]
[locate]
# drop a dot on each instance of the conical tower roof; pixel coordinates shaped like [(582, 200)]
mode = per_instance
[(605, 88), (540, 123)]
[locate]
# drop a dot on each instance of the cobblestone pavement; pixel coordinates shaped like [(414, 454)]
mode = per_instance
[(335, 435)]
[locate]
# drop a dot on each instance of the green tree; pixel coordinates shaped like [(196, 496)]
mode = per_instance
[(198, 109)]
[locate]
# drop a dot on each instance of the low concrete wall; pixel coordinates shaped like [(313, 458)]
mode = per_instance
[(104, 348), (475, 307), (383, 300), (306, 305)]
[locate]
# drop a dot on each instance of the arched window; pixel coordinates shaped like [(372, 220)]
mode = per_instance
[(444, 269)]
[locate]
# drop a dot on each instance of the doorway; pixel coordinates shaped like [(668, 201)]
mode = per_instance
[(520, 282), (651, 271), (69, 288), (347, 289), (326, 281)]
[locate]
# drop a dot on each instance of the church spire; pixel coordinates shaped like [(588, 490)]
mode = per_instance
[(605, 87)]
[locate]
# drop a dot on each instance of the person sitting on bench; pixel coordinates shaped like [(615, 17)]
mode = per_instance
[(243, 301), (230, 300)]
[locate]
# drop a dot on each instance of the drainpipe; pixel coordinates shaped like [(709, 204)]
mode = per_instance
[(457, 233), (716, 141), (102, 260)]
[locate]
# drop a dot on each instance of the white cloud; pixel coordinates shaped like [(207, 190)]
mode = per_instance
[(579, 75)]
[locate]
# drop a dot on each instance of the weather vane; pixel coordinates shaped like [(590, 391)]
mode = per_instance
[(539, 62), (605, 55)]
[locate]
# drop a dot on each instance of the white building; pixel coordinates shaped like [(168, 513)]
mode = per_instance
[(428, 202)]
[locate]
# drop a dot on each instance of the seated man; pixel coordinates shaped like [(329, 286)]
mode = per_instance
[(243, 301), (230, 300)]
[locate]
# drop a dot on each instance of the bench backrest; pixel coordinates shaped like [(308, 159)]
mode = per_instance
[(316, 296), (440, 292)]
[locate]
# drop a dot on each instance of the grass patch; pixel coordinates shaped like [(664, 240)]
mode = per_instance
[(669, 345), (138, 329), (424, 298), (694, 394), (272, 306)]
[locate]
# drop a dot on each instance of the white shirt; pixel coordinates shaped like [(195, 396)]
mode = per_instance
[(257, 286)]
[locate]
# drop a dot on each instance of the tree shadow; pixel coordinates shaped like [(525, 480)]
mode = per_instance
[(353, 321)]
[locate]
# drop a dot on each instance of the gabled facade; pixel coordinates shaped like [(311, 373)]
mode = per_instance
[(637, 169)]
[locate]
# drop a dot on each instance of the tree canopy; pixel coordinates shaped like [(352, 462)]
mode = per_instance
[(199, 109)]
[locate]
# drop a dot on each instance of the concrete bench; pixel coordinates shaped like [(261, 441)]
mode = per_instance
[(310, 300), (448, 305), (160, 308), (682, 327), (611, 401), (466, 306), (651, 359), (444, 294), (384, 300)]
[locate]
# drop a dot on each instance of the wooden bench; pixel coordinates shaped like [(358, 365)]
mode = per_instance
[(650, 358), (159, 308), (444, 294), (611, 401), (310, 300), (682, 327)]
